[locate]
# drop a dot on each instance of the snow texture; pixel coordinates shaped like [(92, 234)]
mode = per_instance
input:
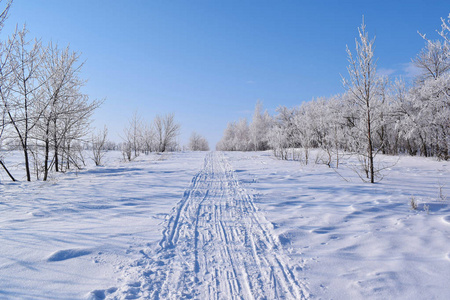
[(216, 245), (227, 225)]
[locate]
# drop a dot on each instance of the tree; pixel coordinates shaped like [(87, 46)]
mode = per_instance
[(132, 138), (198, 143), (429, 116), (2, 128), (362, 87), (65, 109), (433, 60), (21, 105), (98, 146), (259, 128), (42, 106), (167, 131), (4, 13), (283, 132), (226, 143), (279, 141), (149, 142), (5, 82), (430, 97)]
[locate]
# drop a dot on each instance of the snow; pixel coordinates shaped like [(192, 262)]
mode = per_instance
[(226, 225)]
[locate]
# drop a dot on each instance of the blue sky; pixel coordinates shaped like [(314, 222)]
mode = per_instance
[(209, 62)]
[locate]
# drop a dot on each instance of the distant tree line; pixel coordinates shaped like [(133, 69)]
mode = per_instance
[(158, 136), (375, 114)]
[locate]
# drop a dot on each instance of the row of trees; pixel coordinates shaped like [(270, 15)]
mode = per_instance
[(43, 111), (158, 136), (374, 115), (45, 115)]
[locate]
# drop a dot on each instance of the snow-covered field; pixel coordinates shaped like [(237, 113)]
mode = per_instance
[(226, 225)]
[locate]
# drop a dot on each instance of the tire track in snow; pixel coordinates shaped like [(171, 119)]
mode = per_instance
[(216, 245)]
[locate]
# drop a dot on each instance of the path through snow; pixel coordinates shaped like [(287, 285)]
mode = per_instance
[(215, 245)]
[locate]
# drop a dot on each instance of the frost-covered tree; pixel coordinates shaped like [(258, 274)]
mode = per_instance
[(22, 103), (66, 111), (43, 108), (149, 142), (98, 141), (259, 128), (375, 115), (284, 132), (132, 138), (433, 60), (167, 131), (429, 116), (242, 136), (420, 114), (363, 86), (226, 143), (279, 141), (5, 82), (335, 138), (236, 137), (198, 143)]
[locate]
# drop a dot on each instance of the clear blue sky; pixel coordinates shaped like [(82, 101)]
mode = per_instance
[(208, 62)]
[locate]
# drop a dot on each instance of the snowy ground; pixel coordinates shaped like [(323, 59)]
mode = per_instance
[(226, 225)]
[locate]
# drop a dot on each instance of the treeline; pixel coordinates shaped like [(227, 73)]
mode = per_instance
[(43, 111), (160, 135), (374, 115), (157, 136)]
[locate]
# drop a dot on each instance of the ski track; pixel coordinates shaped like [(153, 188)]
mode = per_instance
[(216, 245)]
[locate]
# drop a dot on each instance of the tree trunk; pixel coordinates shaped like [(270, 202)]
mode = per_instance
[(370, 146), (424, 146), (56, 159), (27, 163), (7, 171), (47, 150)]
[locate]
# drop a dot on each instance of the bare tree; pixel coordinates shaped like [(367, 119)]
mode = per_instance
[(72, 126), (433, 60), (2, 128), (66, 111), (167, 131), (61, 81), (133, 137), (98, 146), (362, 88), (198, 142), (21, 105), (5, 80), (41, 102), (4, 13), (148, 139)]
